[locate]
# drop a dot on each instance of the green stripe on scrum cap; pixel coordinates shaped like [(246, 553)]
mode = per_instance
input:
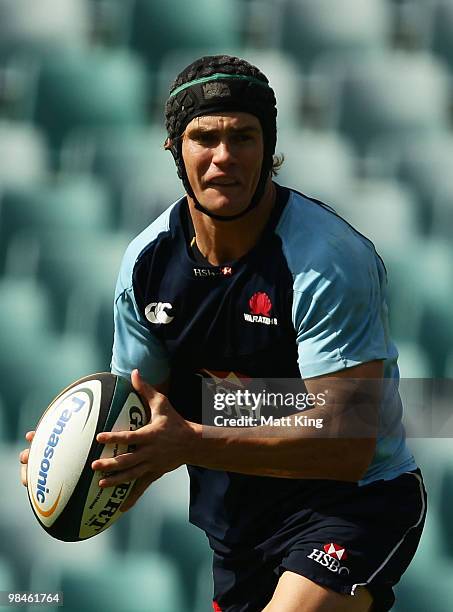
[(216, 77)]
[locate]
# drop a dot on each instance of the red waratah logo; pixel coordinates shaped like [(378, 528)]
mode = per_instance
[(260, 304), (338, 552)]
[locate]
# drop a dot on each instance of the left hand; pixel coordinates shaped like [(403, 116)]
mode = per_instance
[(160, 446)]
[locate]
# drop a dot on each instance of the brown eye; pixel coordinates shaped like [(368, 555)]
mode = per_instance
[(242, 138), (206, 139)]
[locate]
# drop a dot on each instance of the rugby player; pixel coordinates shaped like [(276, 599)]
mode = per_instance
[(242, 279)]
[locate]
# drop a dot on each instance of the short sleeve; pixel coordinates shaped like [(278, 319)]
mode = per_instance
[(134, 346), (341, 317)]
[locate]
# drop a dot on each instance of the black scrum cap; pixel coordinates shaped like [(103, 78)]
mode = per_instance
[(214, 84)]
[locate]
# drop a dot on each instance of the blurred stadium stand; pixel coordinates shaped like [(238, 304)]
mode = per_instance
[(442, 33), (156, 31), (286, 77), (365, 121), (76, 204), (90, 88), (44, 27), (122, 158), (422, 162), (319, 163), (134, 583), (394, 92), (165, 510), (4, 431), (310, 28), (385, 211), (24, 155)]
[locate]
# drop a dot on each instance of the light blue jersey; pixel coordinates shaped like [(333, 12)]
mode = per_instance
[(307, 300), (340, 314)]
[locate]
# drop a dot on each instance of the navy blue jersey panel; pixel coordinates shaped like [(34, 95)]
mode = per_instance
[(232, 318), (228, 318)]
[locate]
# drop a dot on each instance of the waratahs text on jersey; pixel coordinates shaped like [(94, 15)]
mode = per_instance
[(52, 442)]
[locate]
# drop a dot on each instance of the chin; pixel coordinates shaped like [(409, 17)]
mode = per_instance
[(223, 205)]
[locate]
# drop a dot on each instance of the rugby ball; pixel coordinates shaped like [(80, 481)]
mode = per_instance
[(62, 487)]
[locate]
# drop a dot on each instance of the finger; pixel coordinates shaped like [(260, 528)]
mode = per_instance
[(23, 475), (30, 435), (114, 464), (123, 476), (127, 438), (140, 486), (143, 388), (23, 457)]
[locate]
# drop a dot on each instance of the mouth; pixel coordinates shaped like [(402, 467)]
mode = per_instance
[(222, 182)]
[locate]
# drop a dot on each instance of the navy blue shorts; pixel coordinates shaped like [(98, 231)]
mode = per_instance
[(349, 536)]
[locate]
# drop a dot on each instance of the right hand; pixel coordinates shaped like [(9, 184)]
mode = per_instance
[(23, 457)]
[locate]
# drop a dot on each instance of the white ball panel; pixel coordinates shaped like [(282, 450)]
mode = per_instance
[(102, 507), (60, 448)]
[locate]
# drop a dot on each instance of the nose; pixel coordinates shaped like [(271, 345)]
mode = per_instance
[(223, 153)]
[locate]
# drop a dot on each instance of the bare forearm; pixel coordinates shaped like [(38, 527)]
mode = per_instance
[(293, 455)]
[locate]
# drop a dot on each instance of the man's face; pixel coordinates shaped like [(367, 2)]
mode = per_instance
[(223, 154)]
